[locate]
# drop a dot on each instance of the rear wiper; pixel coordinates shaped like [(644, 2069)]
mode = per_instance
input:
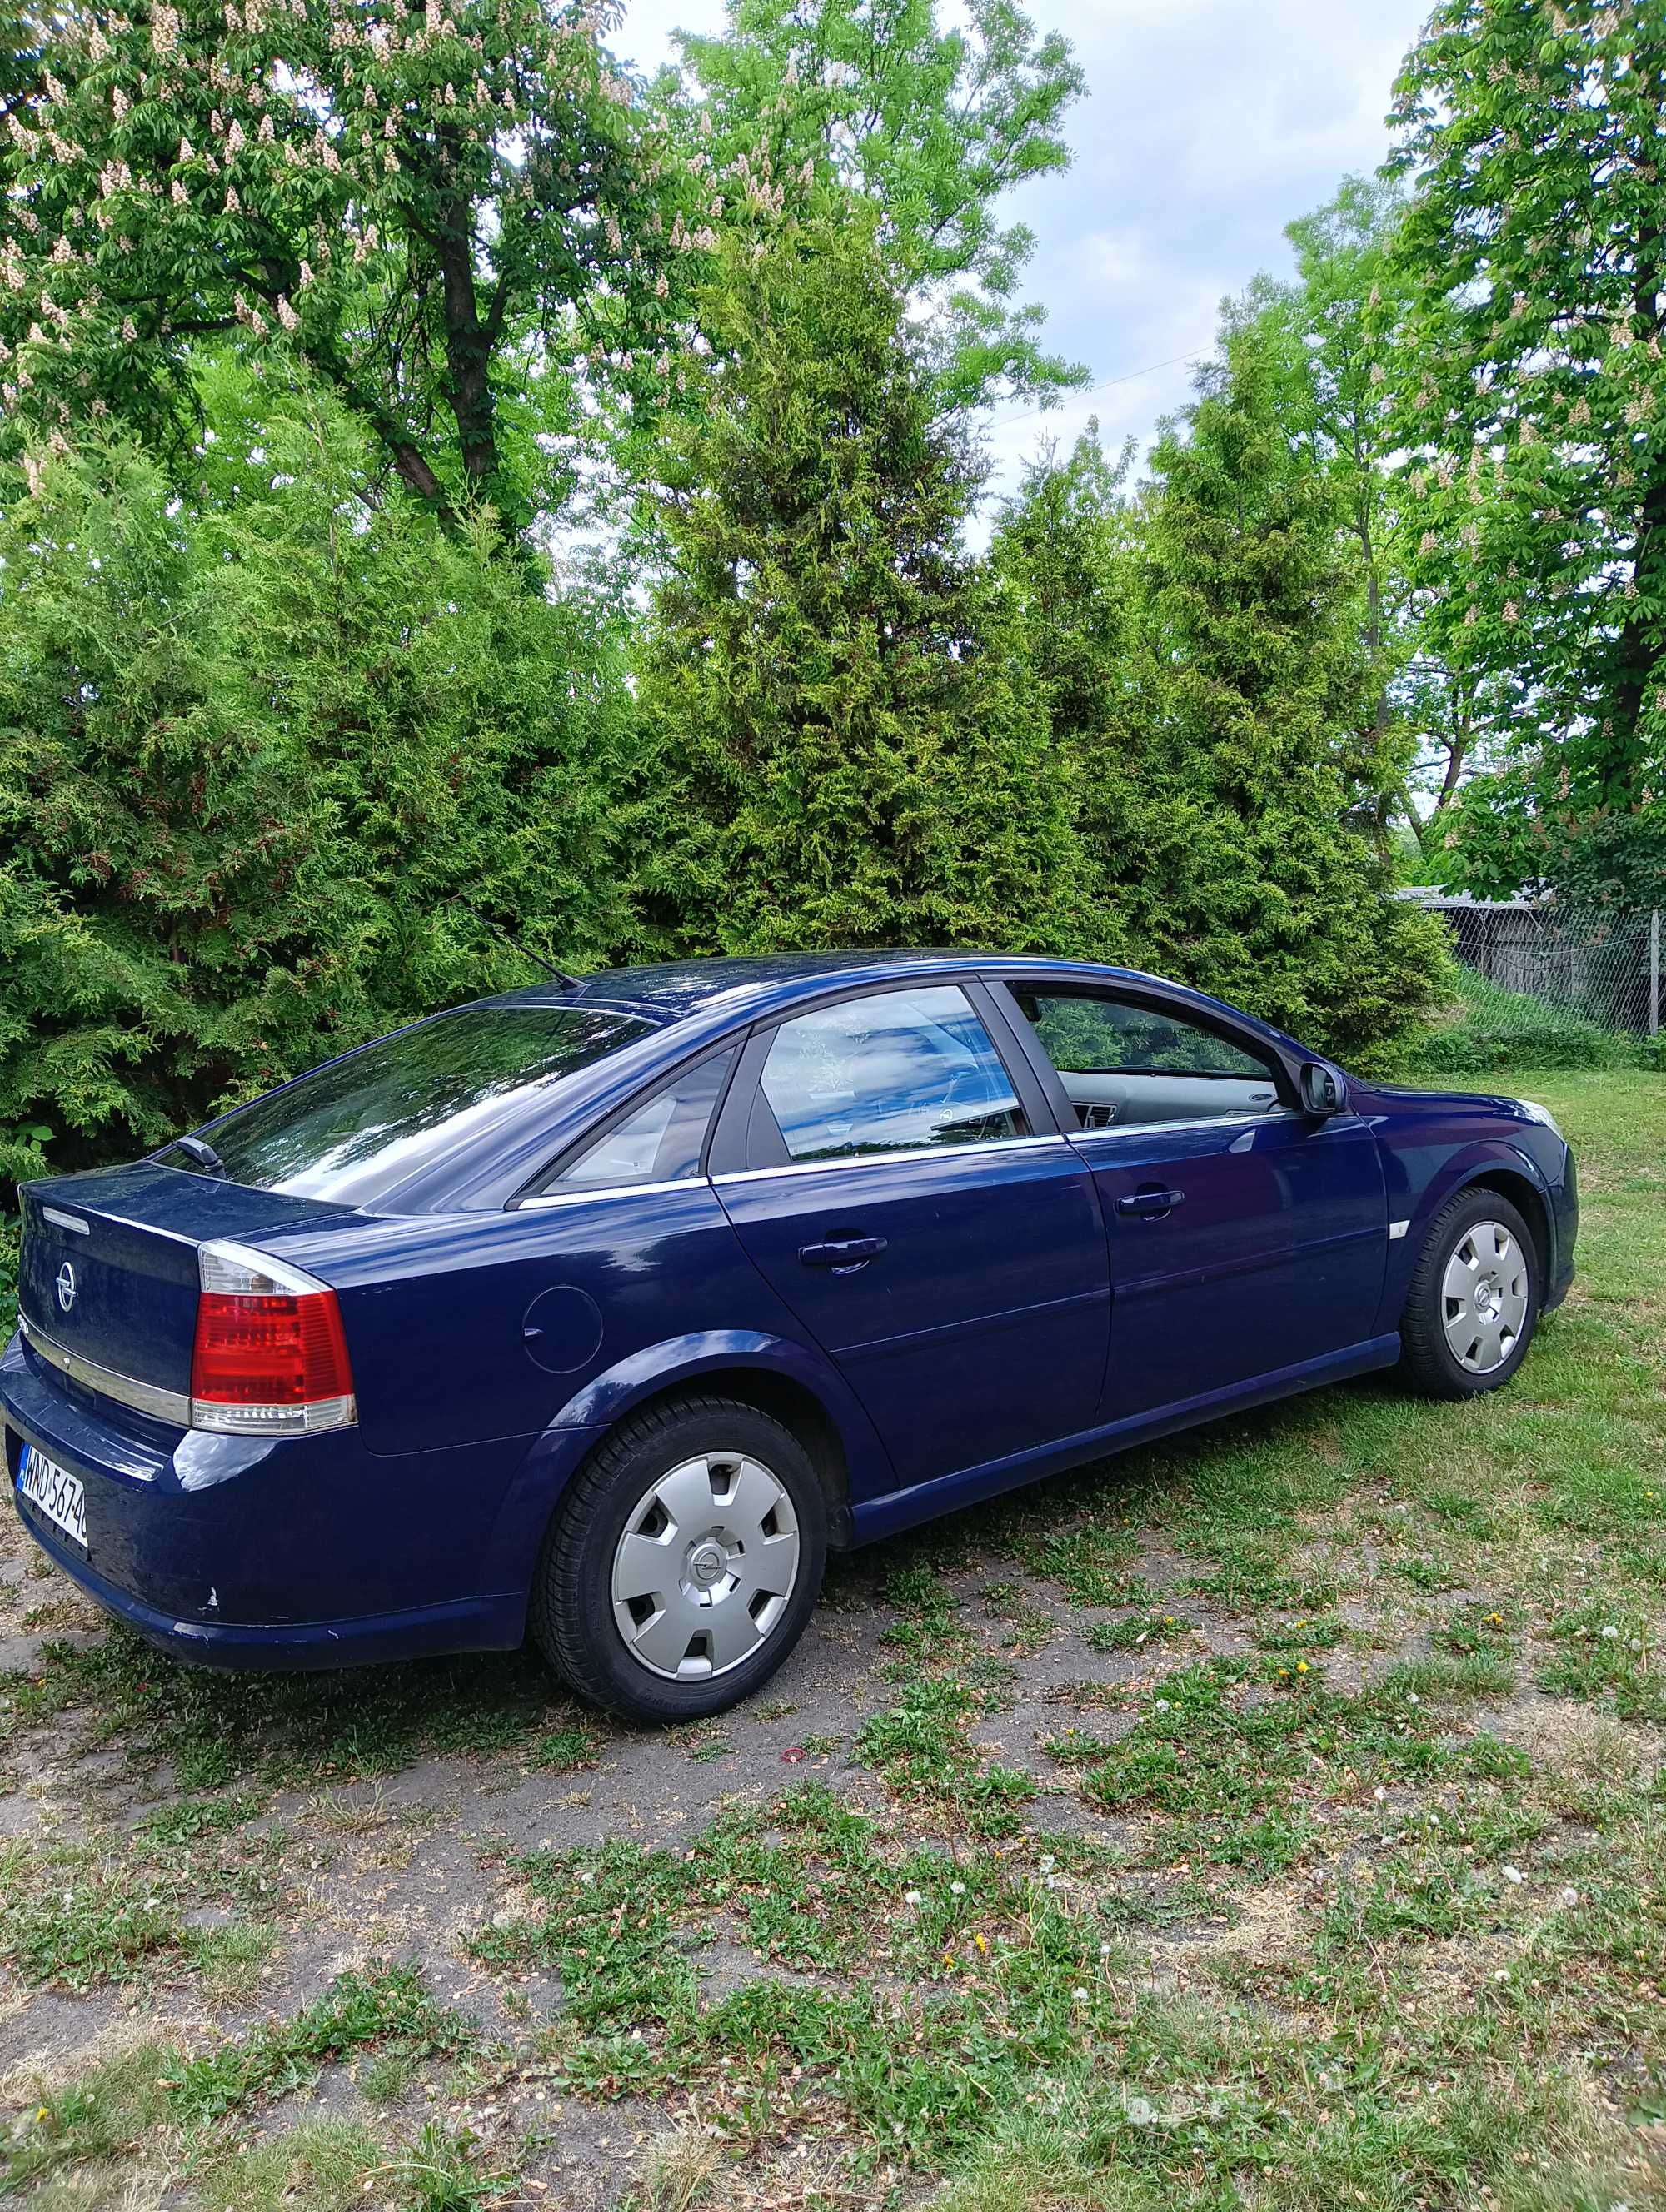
[(200, 1150)]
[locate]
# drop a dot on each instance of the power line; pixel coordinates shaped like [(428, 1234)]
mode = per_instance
[(1106, 384)]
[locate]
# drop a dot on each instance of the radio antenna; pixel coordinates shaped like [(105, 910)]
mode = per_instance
[(515, 945)]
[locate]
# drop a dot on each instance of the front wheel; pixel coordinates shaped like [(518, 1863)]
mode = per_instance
[(1474, 1300), (683, 1562)]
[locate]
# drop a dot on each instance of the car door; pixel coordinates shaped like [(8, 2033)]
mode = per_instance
[(1245, 1237), (902, 1194)]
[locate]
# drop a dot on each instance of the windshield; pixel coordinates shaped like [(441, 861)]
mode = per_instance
[(351, 1130)]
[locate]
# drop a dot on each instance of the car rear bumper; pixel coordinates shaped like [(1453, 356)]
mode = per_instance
[(495, 1623), (287, 1552)]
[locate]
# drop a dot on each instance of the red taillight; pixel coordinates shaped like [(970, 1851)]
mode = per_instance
[(267, 1359)]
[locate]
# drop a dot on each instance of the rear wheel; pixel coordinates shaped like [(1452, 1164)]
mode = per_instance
[(1474, 1300), (684, 1561)]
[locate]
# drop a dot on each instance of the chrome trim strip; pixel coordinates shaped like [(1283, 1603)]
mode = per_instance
[(544, 1200), (173, 1406), (69, 1221), (286, 1281), (1203, 1122), (886, 1159)]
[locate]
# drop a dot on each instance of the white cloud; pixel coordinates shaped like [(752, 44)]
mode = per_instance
[(645, 35)]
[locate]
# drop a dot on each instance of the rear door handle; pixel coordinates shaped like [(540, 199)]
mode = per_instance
[(1150, 1205), (844, 1255)]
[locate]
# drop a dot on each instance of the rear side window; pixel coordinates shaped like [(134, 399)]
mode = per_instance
[(888, 1074), (351, 1131), (658, 1142)]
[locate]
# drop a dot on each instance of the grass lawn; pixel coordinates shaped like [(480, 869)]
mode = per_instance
[(1271, 1819)]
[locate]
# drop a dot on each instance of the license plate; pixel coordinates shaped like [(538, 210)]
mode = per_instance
[(53, 1490)]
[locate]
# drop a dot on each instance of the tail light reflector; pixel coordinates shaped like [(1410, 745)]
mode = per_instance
[(270, 1356)]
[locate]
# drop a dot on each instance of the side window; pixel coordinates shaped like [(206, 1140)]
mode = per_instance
[(888, 1074), (1123, 1063), (658, 1142)]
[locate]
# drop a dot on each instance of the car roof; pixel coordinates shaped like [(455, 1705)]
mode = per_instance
[(678, 988)]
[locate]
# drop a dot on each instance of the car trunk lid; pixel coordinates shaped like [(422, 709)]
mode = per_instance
[(108, 1274)]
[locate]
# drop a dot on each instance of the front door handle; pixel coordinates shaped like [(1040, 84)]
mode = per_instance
[(844, 1255), (1151, 1204)]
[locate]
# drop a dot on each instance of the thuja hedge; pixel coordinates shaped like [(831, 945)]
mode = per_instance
[(275, 759)]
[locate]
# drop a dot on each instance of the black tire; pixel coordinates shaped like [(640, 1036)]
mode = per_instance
[(1429, 1363), (572, 1616)]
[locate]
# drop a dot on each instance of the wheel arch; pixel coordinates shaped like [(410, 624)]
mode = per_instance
[(796, 1407), (1497, 1167), (1518, 1184), (779, 1378)]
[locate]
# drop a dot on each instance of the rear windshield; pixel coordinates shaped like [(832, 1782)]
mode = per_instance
[(349, 1131)]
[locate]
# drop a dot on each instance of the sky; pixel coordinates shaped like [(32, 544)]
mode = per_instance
[(1208, 125)]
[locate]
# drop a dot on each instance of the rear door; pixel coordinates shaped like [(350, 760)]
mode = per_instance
[(900, 1188), (1245, 1237)]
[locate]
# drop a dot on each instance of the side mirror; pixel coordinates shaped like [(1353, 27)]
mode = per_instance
[(1323, 1091)]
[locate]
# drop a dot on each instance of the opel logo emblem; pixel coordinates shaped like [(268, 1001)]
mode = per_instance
[(66, 1286)]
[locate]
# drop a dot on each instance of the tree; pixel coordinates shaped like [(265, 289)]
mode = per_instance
[(253, 757), (930, 126), (1335, 344), (1533, 244), (1068, 550), (1062, 548), (848, 749), (1327, 340), (452, 213), (1234, 855)]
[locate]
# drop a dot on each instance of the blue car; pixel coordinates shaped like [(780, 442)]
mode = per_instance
[(604, 1309)]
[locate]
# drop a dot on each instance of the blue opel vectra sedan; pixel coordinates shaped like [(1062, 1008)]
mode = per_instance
[(606, 1309)]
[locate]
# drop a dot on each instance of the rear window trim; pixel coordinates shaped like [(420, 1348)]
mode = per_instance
[(536, 1193)]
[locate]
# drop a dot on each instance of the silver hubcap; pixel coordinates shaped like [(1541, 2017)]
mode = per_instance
[(706, 1565), (1483, 1297)]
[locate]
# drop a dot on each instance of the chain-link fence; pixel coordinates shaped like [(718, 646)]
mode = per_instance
[(1601, 966)]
